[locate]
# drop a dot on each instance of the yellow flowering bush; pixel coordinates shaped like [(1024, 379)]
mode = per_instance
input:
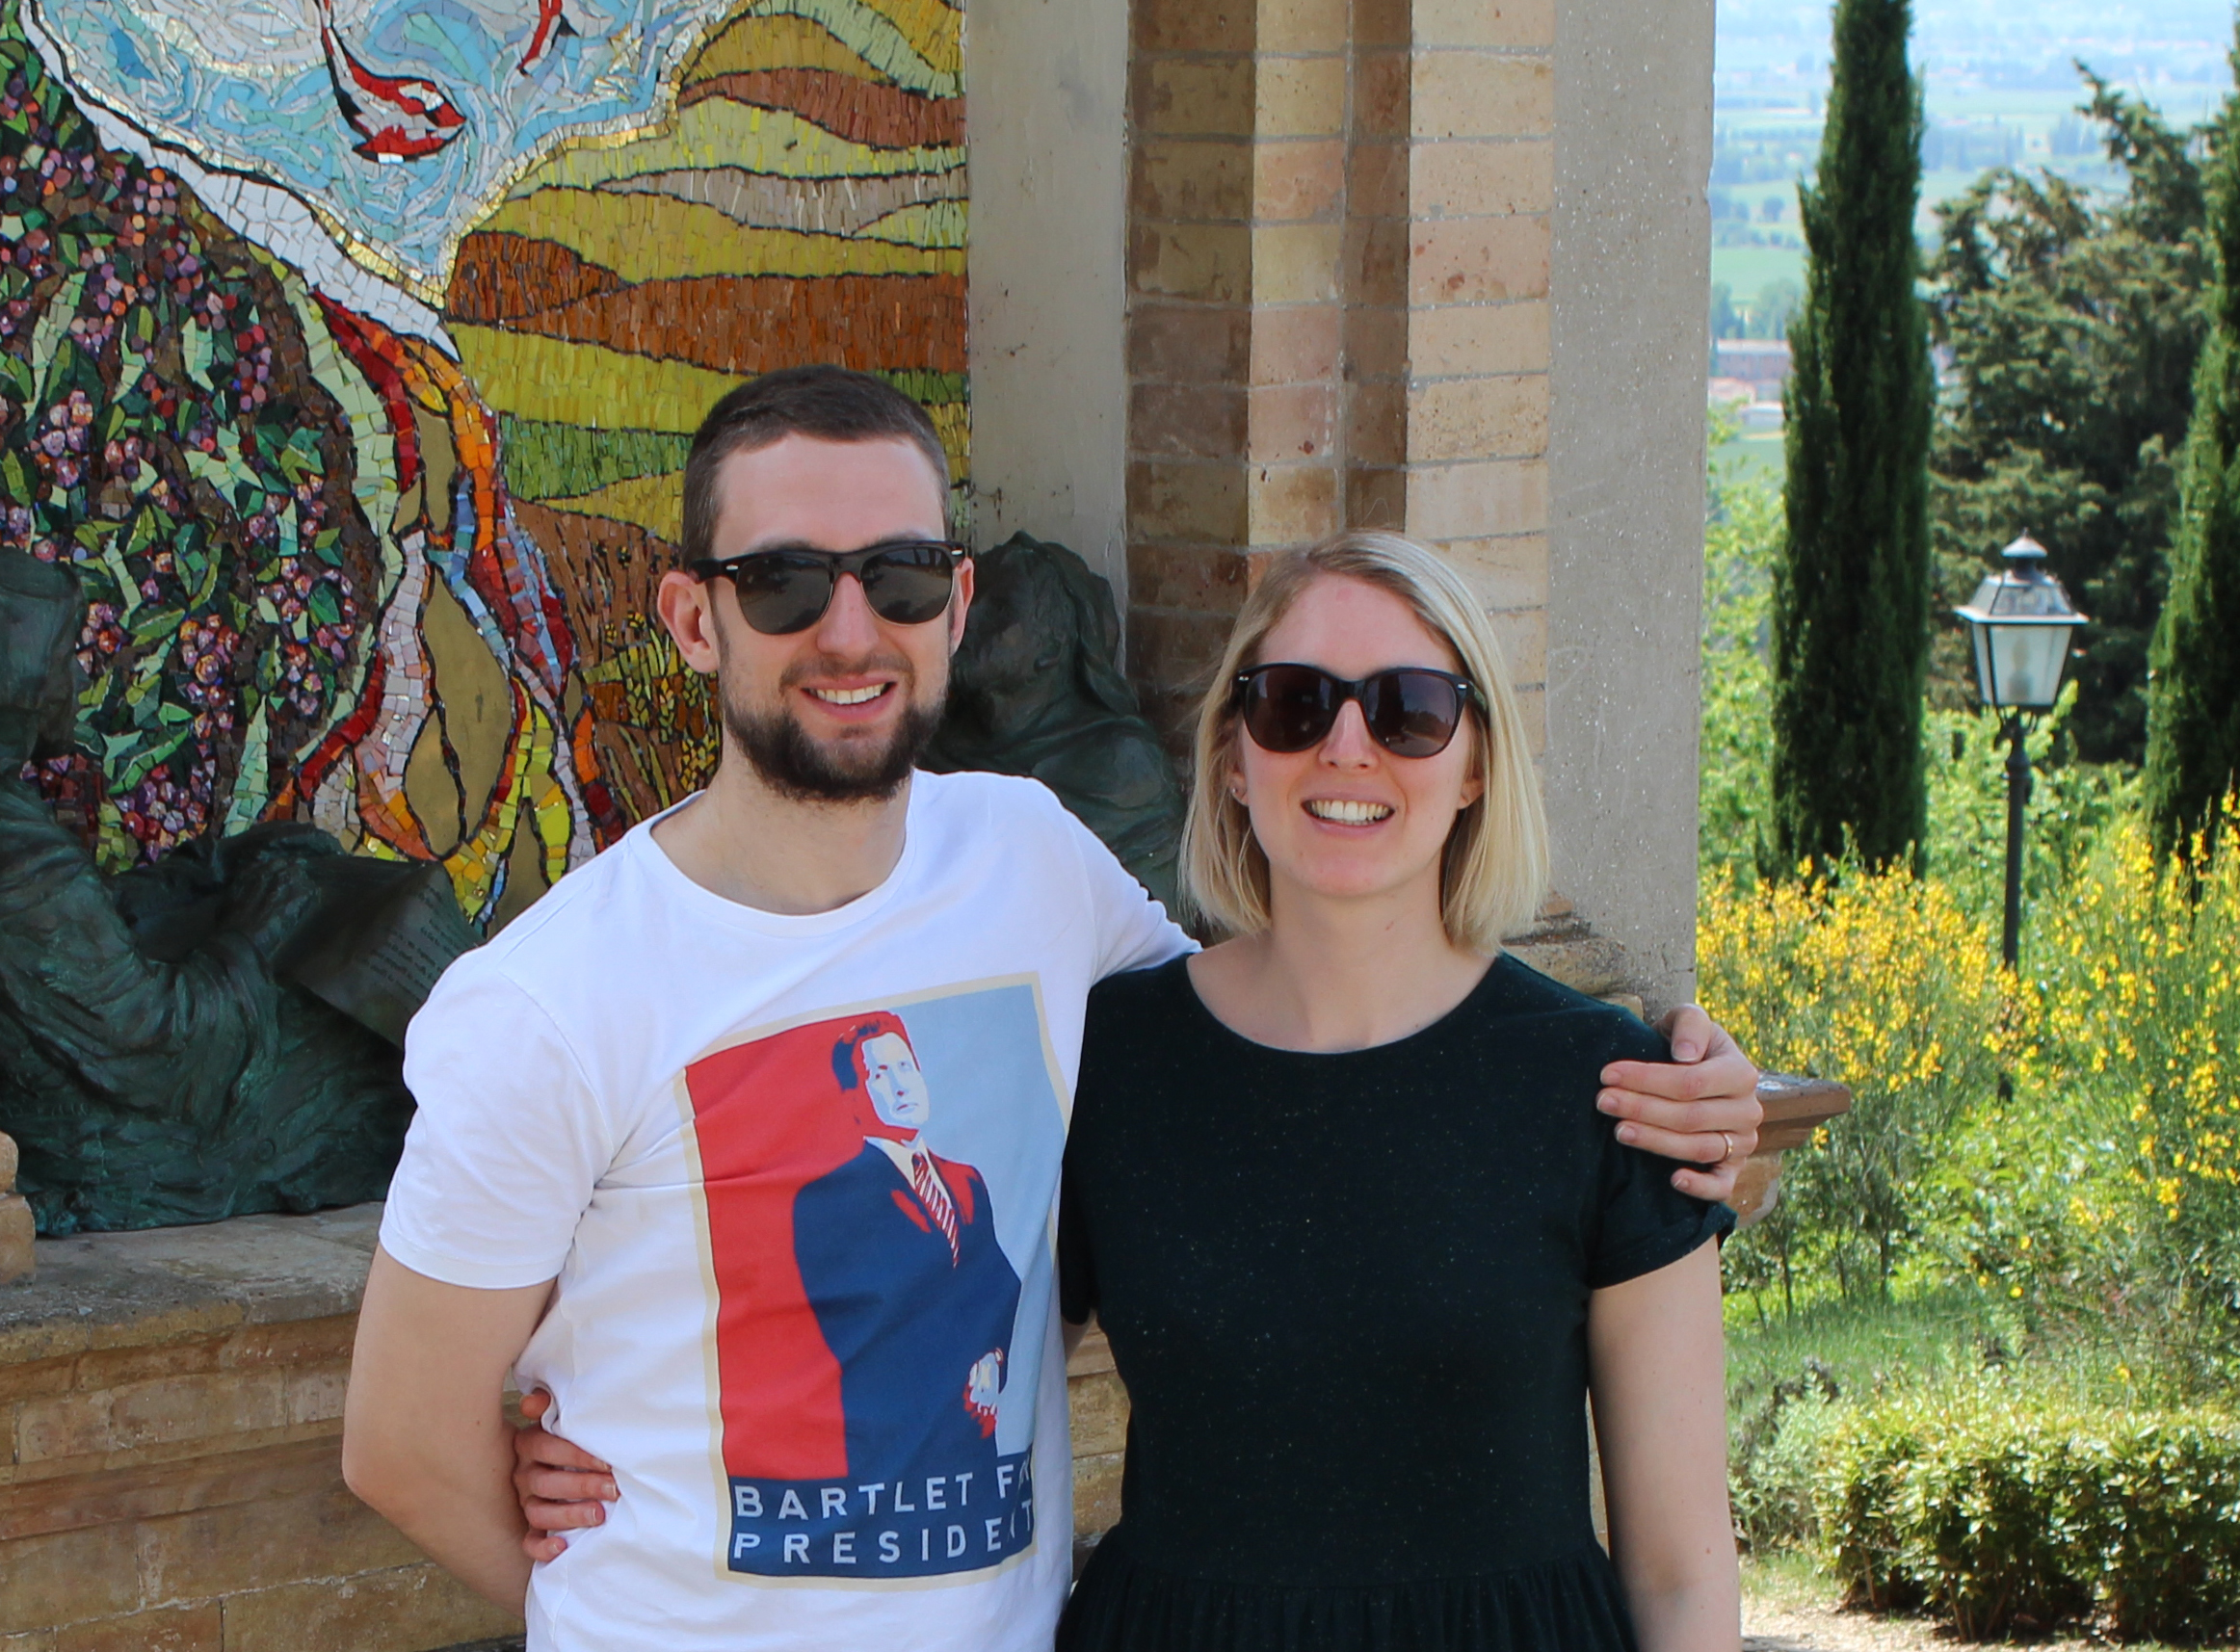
[(1884, 982), (2131, 1088), (2107, 1185)]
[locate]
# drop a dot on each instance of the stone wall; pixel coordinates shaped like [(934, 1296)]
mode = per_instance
[(1631, 263), (1338, 274), (170, 1475), (171, 1418)]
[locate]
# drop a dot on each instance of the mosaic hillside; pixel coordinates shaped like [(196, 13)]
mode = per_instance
[(369, 511)]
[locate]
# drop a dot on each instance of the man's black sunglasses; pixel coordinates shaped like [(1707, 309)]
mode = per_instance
[(906, 582), (1411, 711)]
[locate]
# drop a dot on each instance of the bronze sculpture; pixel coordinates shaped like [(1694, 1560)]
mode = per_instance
[(215, 1032), (171, 1048), (1037, 689)]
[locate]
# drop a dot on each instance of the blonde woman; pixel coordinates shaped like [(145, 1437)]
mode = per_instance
[(1339, 1194)]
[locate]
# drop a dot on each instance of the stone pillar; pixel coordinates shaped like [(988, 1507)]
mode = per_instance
[(15, 1224), (1237, 223), (1631, 265), (1481, 188), (1049, 161)]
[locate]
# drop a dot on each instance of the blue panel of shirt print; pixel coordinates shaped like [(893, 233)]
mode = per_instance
[(920, 1526)]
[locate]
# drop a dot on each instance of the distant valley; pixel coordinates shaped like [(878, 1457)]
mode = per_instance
[(2002, 90)]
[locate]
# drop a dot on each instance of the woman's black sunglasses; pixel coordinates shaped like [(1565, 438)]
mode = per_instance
[(1411, 711), (906, 582)]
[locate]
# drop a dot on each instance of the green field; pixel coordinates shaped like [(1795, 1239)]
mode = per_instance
[(1754, 458), (1760, 151), (1745, 269)]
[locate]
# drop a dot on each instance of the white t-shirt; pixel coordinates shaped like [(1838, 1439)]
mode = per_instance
[(796, 1177)]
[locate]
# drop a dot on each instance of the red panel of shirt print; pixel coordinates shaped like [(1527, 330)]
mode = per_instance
[(770, 1118)]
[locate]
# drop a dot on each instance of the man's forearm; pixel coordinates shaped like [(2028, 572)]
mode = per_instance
[(455, 1500)]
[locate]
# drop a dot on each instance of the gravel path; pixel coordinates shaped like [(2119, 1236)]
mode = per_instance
[(1778, 1621), (1791, 1627)]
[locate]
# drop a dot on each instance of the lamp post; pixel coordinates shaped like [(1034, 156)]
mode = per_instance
[(2020, 620)]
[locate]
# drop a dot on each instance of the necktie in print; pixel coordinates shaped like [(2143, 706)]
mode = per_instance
[(935, 1198)]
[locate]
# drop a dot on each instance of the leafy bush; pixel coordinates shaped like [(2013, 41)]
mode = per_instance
[(1881, 981), (2106, 1195), (1742, 528), (1857, 1500), (1773, 1456), (2005, 1513)]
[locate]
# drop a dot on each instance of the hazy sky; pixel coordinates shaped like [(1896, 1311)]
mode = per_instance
[(1775, 51)]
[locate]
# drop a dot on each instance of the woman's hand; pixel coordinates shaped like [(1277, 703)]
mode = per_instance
[(1701, 1108), (561, 1487)]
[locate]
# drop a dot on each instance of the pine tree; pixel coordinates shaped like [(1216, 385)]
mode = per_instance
[(1852, 585), (2193, 715)]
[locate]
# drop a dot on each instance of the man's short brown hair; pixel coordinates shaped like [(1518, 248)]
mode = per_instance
[(829, 403)]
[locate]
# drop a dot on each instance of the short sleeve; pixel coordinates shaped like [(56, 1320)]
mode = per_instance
[(1076, 1266), (508, 1142), (1640, 1222), (1133, 929)]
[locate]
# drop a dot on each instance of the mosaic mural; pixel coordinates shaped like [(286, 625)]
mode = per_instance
[(350, 350)]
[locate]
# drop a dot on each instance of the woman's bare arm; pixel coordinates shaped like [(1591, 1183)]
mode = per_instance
[(1658, 1372)]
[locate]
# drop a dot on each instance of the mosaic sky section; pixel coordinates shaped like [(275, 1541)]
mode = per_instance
[(336, 572), (169, 427), (477, 90)]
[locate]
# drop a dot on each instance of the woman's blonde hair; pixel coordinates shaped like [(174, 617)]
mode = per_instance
[(1496, 869)]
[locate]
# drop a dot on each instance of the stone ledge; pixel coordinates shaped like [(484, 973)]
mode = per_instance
[(170, 1465), (152, 1491), (1567, 951), (1796, 1108), (98, 1291), (169, 1460)]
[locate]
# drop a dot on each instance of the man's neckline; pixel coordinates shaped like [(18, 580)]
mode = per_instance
[(765, 921)]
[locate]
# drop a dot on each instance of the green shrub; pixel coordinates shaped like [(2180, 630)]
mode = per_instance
[(2005, 1513), (1988, 1530), (1859, 1500), (2164, 1524), (1774, 1455)]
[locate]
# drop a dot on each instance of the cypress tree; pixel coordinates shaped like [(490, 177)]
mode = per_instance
[(1852, 583), (2193, 713)]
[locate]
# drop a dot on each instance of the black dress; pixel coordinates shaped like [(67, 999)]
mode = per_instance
[(1348, 1295)]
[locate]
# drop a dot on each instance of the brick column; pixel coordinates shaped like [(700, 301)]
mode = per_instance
[(1237, 223), (1338, 262), (1481, 192)]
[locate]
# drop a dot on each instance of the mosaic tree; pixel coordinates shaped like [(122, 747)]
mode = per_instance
[(372, 450)]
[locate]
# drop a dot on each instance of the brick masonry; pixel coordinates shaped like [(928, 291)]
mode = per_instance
[(1339, 238), (170, 1478), (171, 1418)]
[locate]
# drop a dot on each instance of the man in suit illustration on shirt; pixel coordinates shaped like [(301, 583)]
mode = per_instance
[(899, 1259)]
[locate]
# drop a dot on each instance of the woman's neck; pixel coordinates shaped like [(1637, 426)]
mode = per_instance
[(1337, 974)]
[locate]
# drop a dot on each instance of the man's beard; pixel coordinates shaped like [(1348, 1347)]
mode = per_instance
[(801, 770)]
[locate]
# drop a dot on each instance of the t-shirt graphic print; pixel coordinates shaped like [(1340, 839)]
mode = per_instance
[(874, 1190)]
